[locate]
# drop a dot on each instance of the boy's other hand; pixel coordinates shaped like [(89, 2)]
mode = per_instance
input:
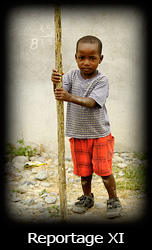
[(56, 76), (62, 95)]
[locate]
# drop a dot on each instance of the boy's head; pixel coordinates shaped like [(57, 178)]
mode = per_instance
[(90, 40), (88, 55)]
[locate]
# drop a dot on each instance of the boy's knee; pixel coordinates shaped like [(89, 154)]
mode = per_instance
[(106, 177)]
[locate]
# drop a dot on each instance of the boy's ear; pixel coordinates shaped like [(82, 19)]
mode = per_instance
[(76, 56), (101, 58)]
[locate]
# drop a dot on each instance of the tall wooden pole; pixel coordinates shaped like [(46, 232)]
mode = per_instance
[(60, 117)]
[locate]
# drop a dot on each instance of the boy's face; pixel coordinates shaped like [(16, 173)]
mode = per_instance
[(88, 59)]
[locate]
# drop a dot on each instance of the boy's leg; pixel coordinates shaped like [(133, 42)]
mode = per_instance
[(110, 185), (81, 151), (86, 201), (86, 185), (114, 206)]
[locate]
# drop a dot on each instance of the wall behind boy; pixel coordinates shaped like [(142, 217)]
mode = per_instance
[(30, 103)]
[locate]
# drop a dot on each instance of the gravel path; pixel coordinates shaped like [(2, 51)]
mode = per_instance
[(32, 192)]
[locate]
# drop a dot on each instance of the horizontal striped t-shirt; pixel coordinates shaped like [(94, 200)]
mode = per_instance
[(83, 122)]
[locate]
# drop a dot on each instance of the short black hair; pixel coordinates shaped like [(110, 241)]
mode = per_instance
[(90, 39)]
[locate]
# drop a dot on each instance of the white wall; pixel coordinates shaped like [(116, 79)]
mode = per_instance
[(31, 108)]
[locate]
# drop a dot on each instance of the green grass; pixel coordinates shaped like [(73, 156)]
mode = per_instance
[(134, 178), (141, 155), (54, 210), (21, 149)]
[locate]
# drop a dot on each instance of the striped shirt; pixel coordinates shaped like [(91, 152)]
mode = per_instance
[(83, 122)]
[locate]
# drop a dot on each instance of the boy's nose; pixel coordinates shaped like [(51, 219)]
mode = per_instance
[(86, 62)]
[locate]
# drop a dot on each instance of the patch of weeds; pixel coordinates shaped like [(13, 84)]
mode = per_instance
[(134, 178), (54, 210), (141, 155), (15, 191), (115, 169), (43, 192), (21, 149)]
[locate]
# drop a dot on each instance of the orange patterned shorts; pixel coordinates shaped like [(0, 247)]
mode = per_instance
[(92, 155)]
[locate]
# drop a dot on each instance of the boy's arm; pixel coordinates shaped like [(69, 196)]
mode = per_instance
[(63, 95)]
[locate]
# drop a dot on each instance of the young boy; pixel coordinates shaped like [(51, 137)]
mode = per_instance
[(87, 123)]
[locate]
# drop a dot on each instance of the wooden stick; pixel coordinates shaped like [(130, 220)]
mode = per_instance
[(60, 117)]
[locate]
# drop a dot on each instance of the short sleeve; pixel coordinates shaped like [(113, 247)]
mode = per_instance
[(101, 91), (66, 82), (68, 79)]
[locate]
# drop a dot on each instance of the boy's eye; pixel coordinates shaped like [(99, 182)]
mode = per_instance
[(81, 57), (91, 58)]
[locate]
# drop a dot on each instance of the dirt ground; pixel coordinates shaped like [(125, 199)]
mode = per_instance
[(134, 203)]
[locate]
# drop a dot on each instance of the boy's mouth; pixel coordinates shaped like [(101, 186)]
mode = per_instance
[(86, 69)]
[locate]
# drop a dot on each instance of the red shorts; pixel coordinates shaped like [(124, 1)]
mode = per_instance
[(92, 155)]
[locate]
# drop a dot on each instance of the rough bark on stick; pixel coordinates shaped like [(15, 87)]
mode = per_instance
[(60, 117)]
